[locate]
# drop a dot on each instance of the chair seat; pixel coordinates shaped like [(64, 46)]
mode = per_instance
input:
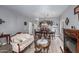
[(42, 42)]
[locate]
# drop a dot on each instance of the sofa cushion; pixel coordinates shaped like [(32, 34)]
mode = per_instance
[(20, 38), (23, 40)]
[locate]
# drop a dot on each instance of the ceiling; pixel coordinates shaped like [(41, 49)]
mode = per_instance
[(39, 10)]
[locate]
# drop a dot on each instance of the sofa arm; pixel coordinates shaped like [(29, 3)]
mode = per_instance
[(15, 47)]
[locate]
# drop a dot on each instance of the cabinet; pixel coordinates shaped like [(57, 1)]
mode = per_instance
[(7, 48), (71, 40), (7, 36)]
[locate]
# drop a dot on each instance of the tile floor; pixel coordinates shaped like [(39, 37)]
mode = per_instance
[(54, 47)]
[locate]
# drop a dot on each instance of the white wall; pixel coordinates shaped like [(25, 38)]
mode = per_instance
[(55, 27), (14, 22), (73, 19)]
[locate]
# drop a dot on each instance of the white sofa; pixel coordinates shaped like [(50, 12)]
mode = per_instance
[(20, 41)]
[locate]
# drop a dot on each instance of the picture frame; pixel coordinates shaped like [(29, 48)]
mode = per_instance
[(1, 21), (76, 10), (25, 23), (67, 21)]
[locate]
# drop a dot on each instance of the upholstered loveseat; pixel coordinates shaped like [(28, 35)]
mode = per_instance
[(20, 41)]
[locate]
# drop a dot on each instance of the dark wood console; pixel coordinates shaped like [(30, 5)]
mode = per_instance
[(5, 48), (7, 36), (71, 40)]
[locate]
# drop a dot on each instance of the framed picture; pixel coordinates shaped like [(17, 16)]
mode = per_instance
[(25, 23), (67, 21), (1, 21), (76, 10)]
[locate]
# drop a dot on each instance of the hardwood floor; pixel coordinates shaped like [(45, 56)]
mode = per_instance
[(56, 43)]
